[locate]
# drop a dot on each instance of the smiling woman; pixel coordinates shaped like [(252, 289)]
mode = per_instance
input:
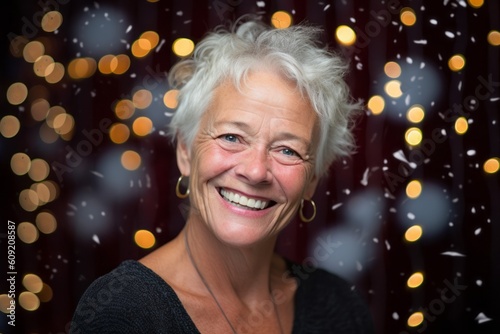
[(262, 114)]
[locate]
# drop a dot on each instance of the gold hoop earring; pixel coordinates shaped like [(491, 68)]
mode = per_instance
[(301, 214), (178, 191)]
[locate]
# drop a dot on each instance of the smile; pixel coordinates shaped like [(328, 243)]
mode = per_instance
[(243, 201)]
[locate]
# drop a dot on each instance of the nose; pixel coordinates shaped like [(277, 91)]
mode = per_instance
[(254, 166)]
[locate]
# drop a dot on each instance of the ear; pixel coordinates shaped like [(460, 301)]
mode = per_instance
[(183, 157), (311, 187)]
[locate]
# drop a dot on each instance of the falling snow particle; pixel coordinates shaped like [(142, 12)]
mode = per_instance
[(471, 153), (97, 174), (449, 34), (336, 206), (261, 4), (433, 21), (96, 239), (477, 231), (129, 28), (481, 317), (326, 7), (387, 245), (411, 216), (479, 282), (451, 253), (364, 180), (421, 41)]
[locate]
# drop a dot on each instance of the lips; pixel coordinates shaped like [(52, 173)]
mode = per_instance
[(244, 201)]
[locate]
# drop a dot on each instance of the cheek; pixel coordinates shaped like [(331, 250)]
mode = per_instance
[(211, 160)]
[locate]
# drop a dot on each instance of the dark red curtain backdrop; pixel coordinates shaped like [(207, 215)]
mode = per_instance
[(363, 210)]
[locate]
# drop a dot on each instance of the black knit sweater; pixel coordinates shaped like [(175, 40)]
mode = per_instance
[(134, 299)]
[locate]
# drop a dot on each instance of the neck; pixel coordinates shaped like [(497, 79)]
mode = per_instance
[(242, 272)]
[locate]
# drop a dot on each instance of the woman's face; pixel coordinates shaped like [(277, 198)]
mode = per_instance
[(252, 160)]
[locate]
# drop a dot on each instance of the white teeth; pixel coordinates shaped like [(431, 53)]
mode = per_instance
[(243, 200)]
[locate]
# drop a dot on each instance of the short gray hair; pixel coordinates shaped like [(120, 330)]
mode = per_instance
[(293, 52)]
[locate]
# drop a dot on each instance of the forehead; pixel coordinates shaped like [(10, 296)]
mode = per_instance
[(265, 94)]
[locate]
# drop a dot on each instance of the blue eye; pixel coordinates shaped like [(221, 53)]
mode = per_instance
[(289, 152), (230, 137)]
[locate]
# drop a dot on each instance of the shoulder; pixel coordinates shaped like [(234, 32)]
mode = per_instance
[(121, 301), (326, 297)]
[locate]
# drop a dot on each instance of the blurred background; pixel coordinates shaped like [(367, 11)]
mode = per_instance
[(88, 175)]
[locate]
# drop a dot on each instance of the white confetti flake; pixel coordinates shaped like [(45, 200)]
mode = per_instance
[(481, 317), (336, 206), (326, 7), (477, 231), (387, 245), (364, 180), (411, 216), (179, 13), (129, 28), (479, 282), (454, 254), (261, 4), (97, 173), (359, 266), (95, 238), (471, 153), (433, 21), (395, 315), (473, 210), (449, 34), (420, 41), (401, 157), (375, 240)]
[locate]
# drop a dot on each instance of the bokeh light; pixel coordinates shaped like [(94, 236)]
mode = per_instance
[(43, 66), (476, 3), (415, 319), (33, 283), (28, 200), (393, 89), (39, 170), (413, 233), (51, 21), (5, 303), (119, 64), (33, 50), (29, 301), (461, 125), (142, 99), (345, 35), (130, 160), (20, 163), (46, 294), (494, 37), (82, 68), (9, 126), (104, 64), (142, 126), (413, 189), (124, 109), (56, 73), (170, 98), (152, 37), (27, 232), (392, 69), (144, 239), (376, 104), (407, 16), (46, 222), (119, 133), (415, 280), (39, 109), (17, 93), (456, 62), (281, 19), (491, 165), (413, 136), (415, 114), (183, 47)]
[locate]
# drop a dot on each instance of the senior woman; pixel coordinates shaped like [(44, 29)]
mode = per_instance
[(262, 114)]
